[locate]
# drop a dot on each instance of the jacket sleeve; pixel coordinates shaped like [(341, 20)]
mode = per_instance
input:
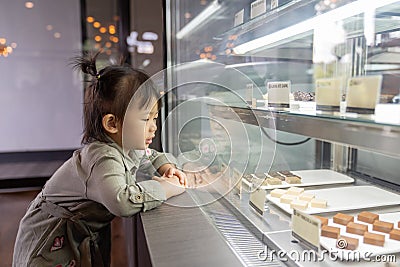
[(158, 159), (115, 188)]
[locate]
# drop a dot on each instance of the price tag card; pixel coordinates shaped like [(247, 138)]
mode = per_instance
[(224, 167), (306, 228), (363, 94), (226, 175), (257, 8), (328, 94), (249, 93), (239, 18), (257, 200), (237, 180), (278, 94), (274, 4)]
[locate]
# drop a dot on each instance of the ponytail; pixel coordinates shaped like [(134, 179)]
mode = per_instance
[(86, 63)]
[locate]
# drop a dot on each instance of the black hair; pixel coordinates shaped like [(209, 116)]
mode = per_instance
[(110, 91)]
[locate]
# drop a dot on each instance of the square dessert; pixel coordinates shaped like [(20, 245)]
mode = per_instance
[(342, 219)]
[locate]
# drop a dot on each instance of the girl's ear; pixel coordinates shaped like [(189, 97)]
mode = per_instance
[(110, 123)]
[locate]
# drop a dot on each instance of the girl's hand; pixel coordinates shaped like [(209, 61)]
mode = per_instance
[(195, 174), (171, 172), (172, 186)]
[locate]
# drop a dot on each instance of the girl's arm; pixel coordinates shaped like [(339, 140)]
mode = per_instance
[(161, 160), (115, 188), (165, 164)]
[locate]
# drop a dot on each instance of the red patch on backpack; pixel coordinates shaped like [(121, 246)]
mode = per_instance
[(58, 242)]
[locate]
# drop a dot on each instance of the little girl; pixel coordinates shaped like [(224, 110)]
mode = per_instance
[(68, 223)]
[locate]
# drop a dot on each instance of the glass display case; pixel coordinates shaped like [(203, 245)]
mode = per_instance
[(269, 89)]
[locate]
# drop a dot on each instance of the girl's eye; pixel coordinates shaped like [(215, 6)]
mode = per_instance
[(149, 119)]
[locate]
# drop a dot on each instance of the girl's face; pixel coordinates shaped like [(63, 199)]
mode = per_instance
[(139, 127)]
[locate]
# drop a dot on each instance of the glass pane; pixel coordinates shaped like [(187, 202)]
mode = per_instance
[(330, 60)]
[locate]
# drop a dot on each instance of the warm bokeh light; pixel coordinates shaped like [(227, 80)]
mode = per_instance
[(5, 50), (3, 41), (97, 38), (115, 39), (232, 37), (103, 30), (90, 19), (208, 49), (108, 44), (111, 29), (57, 35), (96, 24), (14, 45), (49, 27), (29, 5)]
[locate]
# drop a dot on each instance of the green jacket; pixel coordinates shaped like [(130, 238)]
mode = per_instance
[(70, 218)]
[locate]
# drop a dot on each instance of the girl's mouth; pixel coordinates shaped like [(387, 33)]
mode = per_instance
[(149, 141)]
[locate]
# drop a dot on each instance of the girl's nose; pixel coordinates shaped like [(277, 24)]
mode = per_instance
[(153, 126)]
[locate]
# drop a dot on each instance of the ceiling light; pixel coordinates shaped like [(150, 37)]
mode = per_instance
[(340, 13), (199, 19)]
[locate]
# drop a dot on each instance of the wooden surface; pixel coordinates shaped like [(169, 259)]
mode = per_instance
[(178, 236)]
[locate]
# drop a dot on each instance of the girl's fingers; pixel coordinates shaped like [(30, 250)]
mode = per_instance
[(170, 172), (199, 179), (182, 177)]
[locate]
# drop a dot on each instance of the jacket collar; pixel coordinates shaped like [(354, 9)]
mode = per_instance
[(130, 158)]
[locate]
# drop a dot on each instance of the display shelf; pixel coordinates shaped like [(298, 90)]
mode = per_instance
[(344, 129), (261, 20), (302, 32)]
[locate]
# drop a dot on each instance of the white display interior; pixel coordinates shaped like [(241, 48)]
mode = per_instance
[(312, 178), (346, 198)]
